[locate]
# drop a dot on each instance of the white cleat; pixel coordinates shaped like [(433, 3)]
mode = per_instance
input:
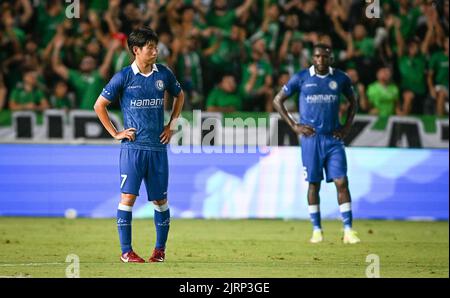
[(317, 236), (350, 237)]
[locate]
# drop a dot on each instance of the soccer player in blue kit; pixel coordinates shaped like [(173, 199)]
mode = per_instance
[(321, 133), (143, 156)]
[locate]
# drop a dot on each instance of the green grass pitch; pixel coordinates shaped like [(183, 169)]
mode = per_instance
[(37, 247)]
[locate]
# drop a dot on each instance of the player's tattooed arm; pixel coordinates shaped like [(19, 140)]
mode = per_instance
[(101, 110), (170, 127), (345, 129), (299, 129)]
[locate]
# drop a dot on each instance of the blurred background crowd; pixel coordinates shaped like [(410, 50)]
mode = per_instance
[(228, 55)]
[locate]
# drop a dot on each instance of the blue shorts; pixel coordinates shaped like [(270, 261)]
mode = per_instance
[(321, 152), (151, 166)]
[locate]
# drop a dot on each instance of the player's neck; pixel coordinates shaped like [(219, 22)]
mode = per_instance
[(323, 73), (144, 67)]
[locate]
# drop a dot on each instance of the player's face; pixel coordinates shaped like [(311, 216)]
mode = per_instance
[(148, 53), (321, 60)]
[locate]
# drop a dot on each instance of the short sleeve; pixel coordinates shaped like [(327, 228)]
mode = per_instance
[(113, 89), (371, 93), (293, 86), (173, 86)]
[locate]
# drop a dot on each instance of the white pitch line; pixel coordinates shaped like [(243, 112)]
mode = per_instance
[(31, 264)]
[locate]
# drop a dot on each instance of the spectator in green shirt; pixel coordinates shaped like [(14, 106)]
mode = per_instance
[(224, 52), (293, 57), (412, 68), (60, 99), (269, 29), (189, 70), (438, 78), (364, 44), (49, 14), (221, 17), (256, 86), (224, 98), (383, 95), (88, 82), (27, 96)]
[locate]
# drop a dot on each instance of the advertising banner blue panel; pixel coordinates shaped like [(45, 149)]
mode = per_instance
[(385, 183)]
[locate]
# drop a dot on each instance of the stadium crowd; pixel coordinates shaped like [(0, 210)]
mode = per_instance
[(228, 55)]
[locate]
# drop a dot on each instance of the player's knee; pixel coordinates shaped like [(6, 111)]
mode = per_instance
[(161, 205), (341, 184), (314, 187), (127, 199), (160, 202)]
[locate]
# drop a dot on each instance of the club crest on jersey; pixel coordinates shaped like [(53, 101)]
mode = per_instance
[(159, 84), (332, 85)]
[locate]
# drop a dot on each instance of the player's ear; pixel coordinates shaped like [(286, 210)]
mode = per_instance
[(135, 50)]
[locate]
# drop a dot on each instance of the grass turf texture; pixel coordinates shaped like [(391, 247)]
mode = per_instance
[(37, 247)]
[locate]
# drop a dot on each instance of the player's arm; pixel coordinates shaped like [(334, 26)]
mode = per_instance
[(104, 68), (176, 110), (243, 8), (351, 111), (101, 110), (300, 129), (57, 66)]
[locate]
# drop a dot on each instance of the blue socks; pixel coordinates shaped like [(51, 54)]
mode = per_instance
[(124, 217), (314, 214), (346, 212), (162, 221)]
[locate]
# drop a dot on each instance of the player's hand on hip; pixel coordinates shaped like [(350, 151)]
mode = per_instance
[(341, 133), (129, 134), (166, 135), (306, 130)]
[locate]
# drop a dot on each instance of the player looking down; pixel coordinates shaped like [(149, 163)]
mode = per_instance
[(140, 88), (321, 134)]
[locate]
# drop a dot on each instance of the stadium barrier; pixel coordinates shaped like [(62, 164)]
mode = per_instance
[(202, 128)]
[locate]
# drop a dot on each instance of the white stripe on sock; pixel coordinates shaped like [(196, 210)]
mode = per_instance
[(313, 209), (161, 208), (125, 208), (345, 207)]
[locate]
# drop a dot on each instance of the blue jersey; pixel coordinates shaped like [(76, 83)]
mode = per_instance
[(142, 102), (319, 97)]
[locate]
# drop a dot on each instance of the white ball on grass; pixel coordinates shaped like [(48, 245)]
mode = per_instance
[(70, 213)]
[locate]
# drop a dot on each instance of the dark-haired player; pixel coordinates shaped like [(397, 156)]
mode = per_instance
[(319, 88), (143, 156)]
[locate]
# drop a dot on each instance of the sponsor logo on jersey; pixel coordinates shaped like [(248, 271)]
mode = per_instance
[(321, 98), (148, 102), (134, 87)]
